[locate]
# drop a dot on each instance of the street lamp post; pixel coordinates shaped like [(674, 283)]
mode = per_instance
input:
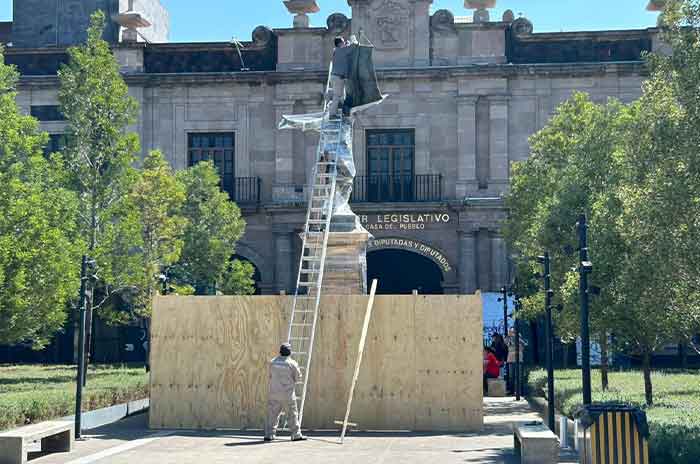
[(585, 268), (80, 378), (545, 261), (504, 290), (518, 366)]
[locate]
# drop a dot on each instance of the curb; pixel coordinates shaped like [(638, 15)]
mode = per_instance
[(111, 414)]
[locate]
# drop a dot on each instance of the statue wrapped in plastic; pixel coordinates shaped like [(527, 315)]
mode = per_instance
[(362, 94)]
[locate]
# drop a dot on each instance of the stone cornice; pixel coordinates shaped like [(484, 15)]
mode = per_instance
[(433, 72)]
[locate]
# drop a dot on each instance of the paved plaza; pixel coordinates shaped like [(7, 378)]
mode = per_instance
[(131, 442)]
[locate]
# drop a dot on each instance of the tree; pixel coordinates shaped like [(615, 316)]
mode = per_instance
[(571, 163), (634, 170), (214, 225), (99, 153), (148, 238), (39, 244), (237, 279)]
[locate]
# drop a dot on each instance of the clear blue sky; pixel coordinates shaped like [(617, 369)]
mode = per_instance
[(219, 20)]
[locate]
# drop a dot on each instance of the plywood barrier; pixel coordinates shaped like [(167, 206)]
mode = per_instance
[(422, 368)]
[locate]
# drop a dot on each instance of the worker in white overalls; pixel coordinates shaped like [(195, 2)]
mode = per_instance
[(284, 374)]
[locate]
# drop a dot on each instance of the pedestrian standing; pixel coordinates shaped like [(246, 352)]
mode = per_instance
[(284, 375)]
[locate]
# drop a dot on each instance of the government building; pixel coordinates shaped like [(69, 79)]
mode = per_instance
[(465, 91)]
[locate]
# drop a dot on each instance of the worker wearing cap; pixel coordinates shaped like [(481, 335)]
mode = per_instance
[(284, 375)]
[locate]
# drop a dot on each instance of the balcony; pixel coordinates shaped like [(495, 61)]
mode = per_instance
[(399, 188), (245, 191)]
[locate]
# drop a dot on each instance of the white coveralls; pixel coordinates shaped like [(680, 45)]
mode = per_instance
[(284, 374)]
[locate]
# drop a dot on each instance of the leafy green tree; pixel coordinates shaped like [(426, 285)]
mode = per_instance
[(214, 225), (148, 237), (572, 161), (39, 241), (237, 279), (99, 154), (634, 170)]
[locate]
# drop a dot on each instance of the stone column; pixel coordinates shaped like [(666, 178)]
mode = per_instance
[(483, 265), (498, 141), (466, 145), (284, 257), (499, 266), (421, 33), (283, 145), (467, 261)]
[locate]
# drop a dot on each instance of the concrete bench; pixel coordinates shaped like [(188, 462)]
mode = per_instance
[(535, 443), (496, 387), (55, 436)]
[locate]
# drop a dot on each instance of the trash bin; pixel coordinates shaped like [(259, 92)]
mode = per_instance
[(612, 433)]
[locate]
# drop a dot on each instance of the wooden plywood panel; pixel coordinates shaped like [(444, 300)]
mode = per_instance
[(421, 370), (448, 364)]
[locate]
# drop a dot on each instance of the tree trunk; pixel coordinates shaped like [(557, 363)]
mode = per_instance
[(648, 391), (604, 361), (90, 293)]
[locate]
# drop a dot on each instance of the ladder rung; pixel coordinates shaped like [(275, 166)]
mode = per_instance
[(317, 221), (308, 284), (301, 324)]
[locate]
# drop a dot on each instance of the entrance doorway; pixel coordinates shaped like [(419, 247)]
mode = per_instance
[(400, 272)]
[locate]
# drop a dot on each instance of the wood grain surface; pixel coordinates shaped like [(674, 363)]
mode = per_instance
[(421, 370)]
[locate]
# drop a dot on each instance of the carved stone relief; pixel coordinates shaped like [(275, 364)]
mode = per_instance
[(391, 23)]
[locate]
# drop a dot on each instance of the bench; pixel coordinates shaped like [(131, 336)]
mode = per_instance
[(535, 443), (496, 387), (55, 436)]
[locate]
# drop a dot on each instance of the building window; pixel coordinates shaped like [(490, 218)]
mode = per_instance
[(390, 155), (47, 113), (57, 142), (217, 147)]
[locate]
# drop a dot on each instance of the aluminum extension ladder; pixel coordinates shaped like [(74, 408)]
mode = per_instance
[(307, 297)]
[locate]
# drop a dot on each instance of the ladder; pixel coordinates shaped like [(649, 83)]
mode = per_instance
[(307, 297)]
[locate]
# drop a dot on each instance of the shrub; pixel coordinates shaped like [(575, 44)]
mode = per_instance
[(30, 394), (674, 420)]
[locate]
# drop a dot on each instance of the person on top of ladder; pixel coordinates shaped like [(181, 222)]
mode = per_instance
[(284, 375), (342, 64)]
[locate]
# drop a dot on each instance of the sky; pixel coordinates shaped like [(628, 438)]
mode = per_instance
[(220, 20)]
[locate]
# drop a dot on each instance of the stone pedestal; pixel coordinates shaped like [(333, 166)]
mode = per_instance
[(346, 264)]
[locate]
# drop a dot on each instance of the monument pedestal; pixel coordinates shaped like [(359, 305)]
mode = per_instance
[(346, 263)]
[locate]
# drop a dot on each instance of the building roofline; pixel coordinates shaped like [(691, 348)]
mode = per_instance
[(587, 35), (444, 72)]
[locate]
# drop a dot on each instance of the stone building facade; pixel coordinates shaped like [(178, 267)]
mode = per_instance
[(433, 161)]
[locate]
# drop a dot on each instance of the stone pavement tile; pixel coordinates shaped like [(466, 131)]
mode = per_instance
[(494, 445)]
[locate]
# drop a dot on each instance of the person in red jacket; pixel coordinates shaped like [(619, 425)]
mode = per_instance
[(492, 366)]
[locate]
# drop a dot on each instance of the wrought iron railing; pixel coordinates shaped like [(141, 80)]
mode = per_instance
[(245, 190), (399, 188)]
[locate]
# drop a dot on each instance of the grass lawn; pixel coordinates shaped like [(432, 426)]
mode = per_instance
[(674, 419), (34, 393)]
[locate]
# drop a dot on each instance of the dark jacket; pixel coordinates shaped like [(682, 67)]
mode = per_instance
[(342, 61)]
